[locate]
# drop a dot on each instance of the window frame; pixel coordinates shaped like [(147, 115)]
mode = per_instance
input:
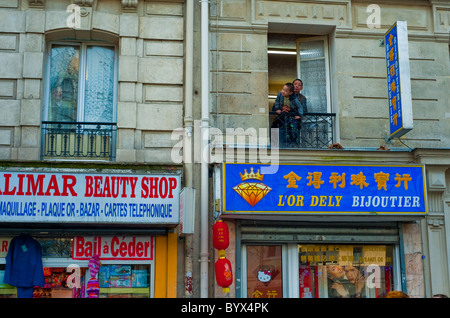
[(66, 262), (81, 77), (284, 267), (326, 57), (290, 265)]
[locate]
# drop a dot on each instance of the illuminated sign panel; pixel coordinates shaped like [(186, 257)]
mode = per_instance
[(325, 189), (398, 80), (89, 198)]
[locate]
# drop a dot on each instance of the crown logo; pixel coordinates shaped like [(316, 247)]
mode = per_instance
[(251, 175)]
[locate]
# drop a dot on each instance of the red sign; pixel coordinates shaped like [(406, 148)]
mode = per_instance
[(89, 198), (4, 245), (305, 286), (113, 247)]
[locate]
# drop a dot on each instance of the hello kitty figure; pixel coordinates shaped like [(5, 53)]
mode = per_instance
[(264, 276)]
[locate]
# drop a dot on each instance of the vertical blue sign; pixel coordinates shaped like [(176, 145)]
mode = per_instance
[(398, 80)]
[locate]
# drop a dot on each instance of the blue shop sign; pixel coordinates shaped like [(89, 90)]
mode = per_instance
[(325, 189), (398, 80)]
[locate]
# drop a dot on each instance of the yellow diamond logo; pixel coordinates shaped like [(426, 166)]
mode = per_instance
[(252, 192)]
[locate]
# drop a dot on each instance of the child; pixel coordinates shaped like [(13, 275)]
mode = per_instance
[(289, 124)]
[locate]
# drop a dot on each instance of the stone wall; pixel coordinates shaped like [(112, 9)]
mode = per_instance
[(357, 67), (150, 40)]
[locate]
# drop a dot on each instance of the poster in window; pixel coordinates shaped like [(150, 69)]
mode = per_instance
[(305, 282), (264, 274)]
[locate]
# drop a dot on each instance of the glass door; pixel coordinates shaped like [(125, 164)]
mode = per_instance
[(264, 271)]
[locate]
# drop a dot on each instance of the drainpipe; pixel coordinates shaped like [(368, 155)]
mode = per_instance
[(188, 124), (189, 78), (204, 221)]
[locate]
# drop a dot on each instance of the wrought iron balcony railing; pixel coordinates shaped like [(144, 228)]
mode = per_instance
[(312, 130), (78, 140)]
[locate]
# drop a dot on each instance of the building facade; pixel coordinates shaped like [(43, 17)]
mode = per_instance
[(91, 90), (338, 49), (131, 127)]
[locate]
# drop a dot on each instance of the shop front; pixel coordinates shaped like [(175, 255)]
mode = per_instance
[(88, 235), (320, 230)]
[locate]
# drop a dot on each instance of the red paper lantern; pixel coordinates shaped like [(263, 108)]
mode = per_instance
[(220, 235), (224, 274)]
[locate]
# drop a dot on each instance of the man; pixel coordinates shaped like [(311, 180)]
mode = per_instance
[(298, 86)]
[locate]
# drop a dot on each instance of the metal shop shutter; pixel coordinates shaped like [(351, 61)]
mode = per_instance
[(345, 233)]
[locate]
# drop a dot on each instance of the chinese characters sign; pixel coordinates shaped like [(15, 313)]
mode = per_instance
[(345, 255), (398, 80), (87, 198), (309, 188)]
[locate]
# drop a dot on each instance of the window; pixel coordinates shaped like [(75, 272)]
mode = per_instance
[(264, 271), (292, 56), (305, 57), (81, 83), (282, 62), (123, 277), (319, 271), (80, 91), (313, 69), (345, 271)]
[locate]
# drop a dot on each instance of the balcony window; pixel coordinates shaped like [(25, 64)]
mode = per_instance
[(80, 102), (306, 58), (313, 69)]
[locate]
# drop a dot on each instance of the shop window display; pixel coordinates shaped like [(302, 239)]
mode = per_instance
[(6, 290), (55, 284), (345, 271), (114, 279), (124, 281)]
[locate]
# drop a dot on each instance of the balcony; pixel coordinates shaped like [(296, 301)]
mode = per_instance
[(313, 130), (78, 140)]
